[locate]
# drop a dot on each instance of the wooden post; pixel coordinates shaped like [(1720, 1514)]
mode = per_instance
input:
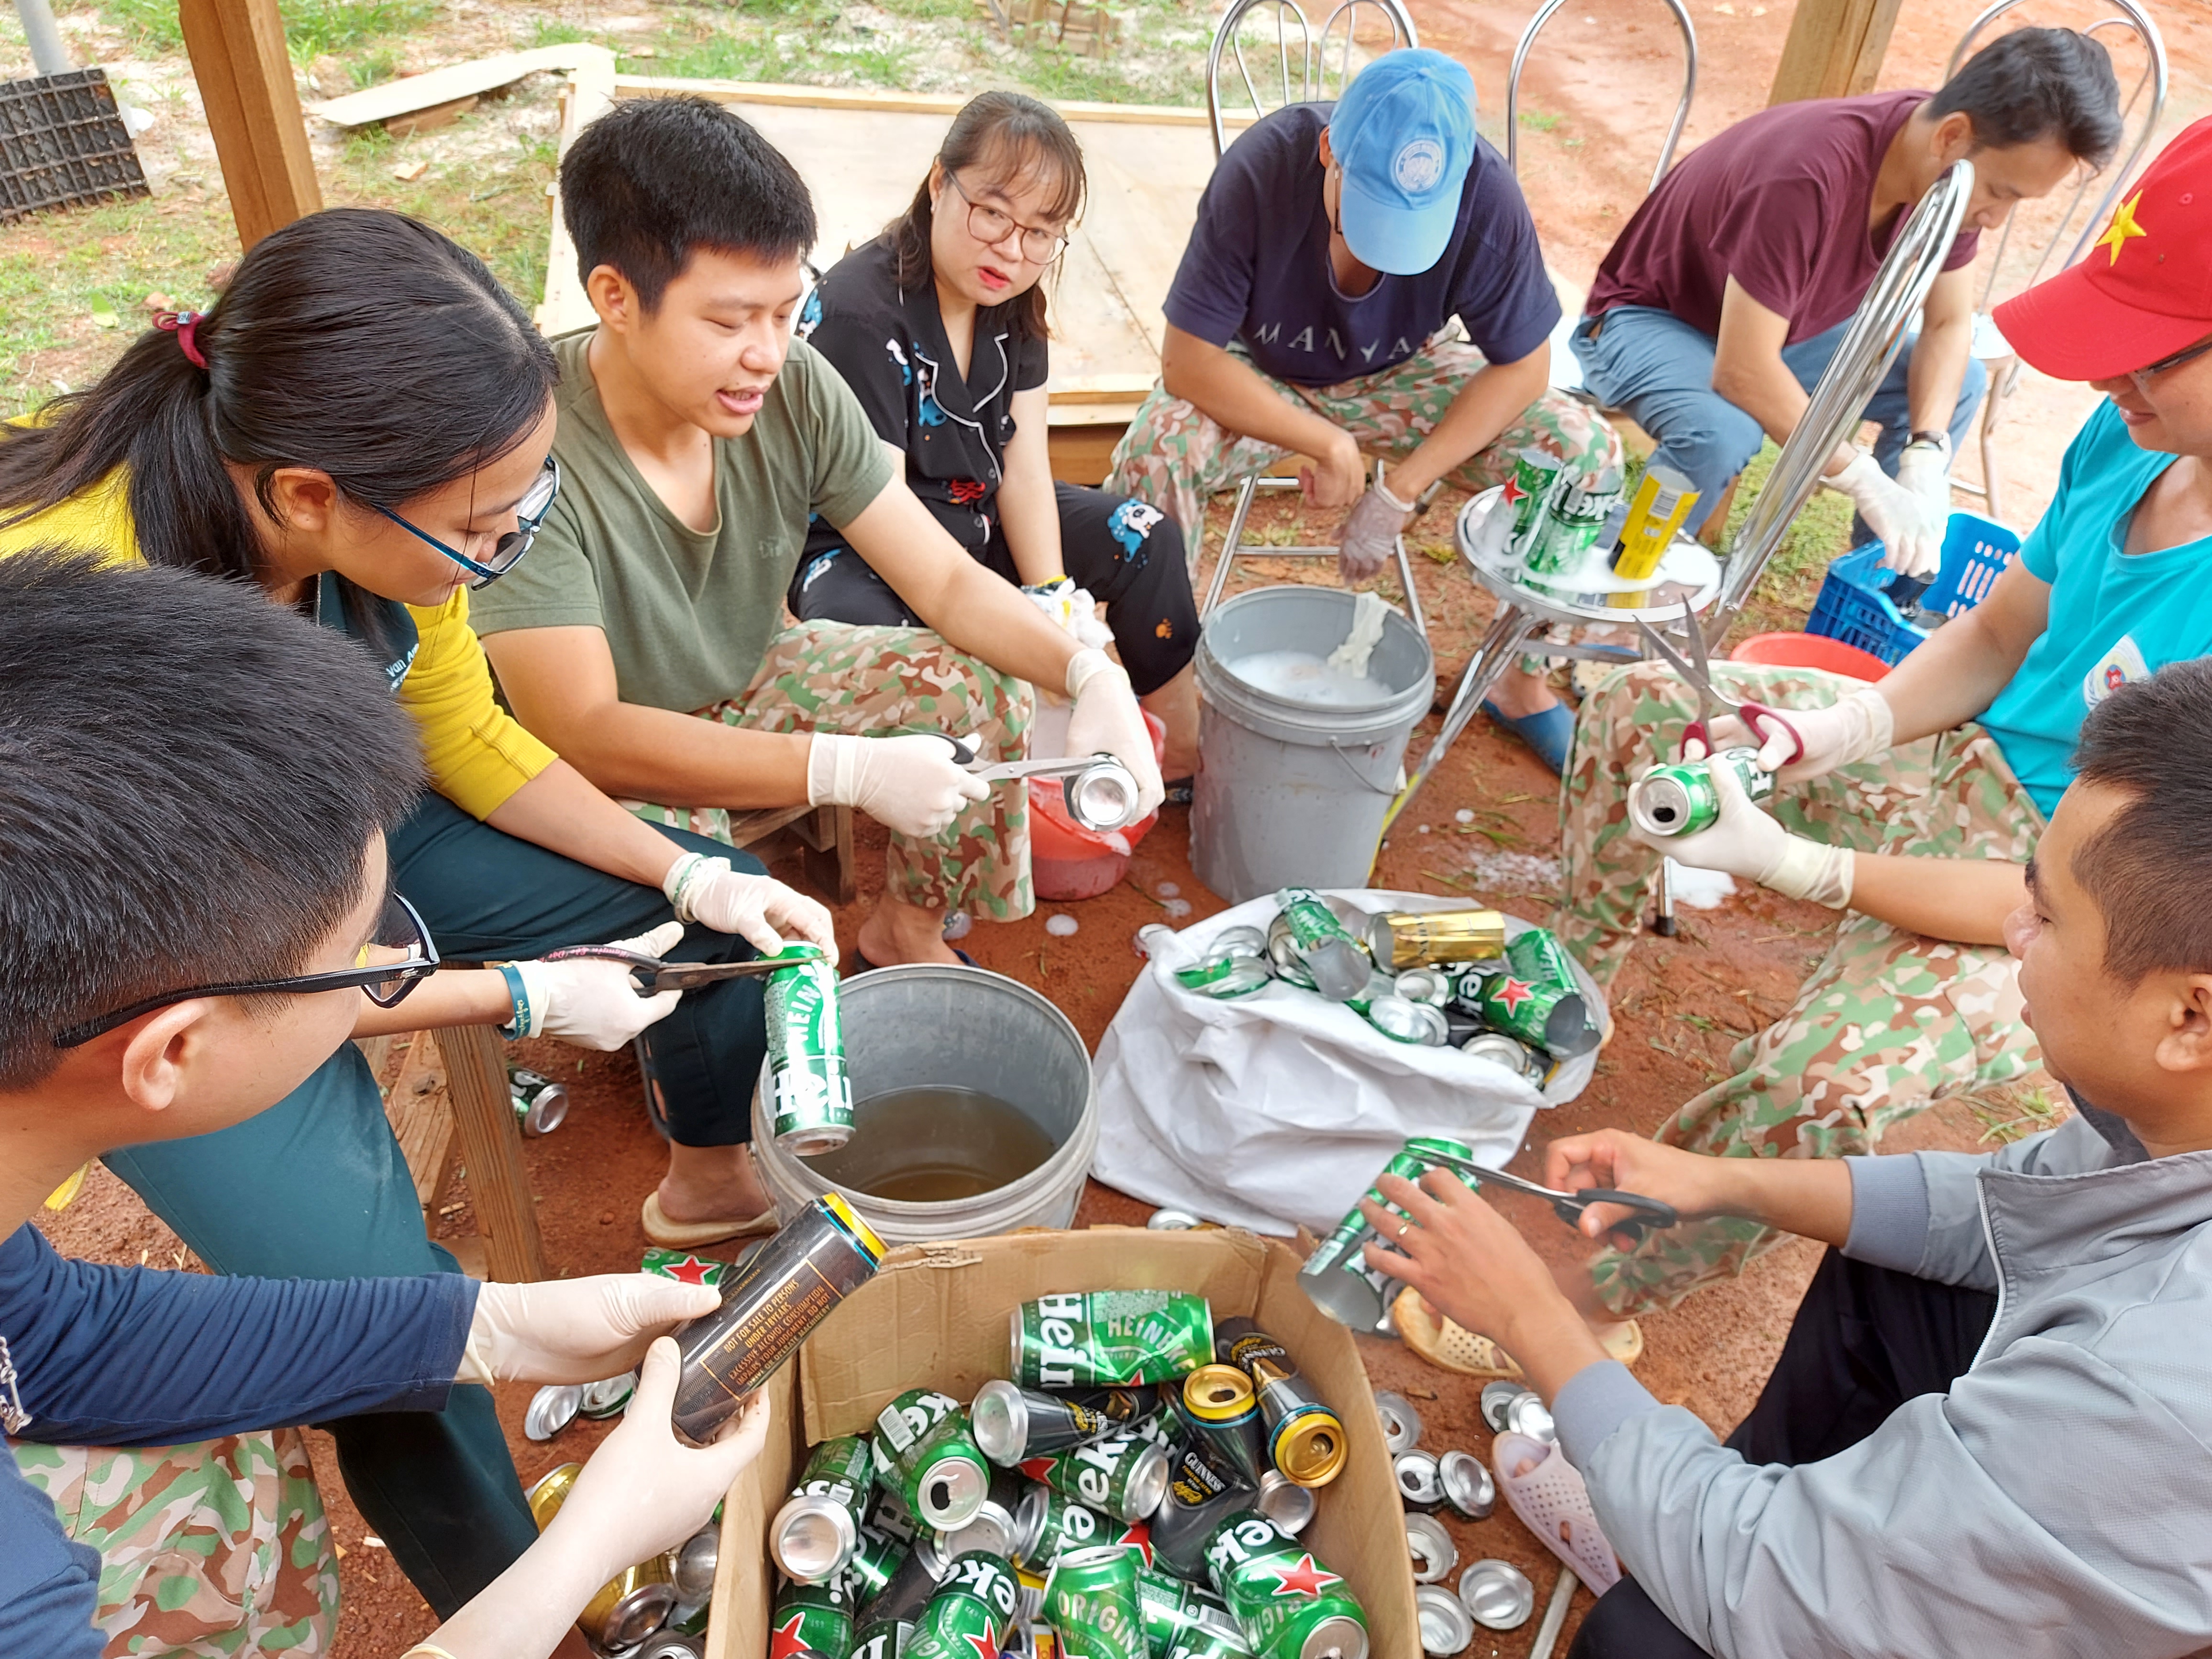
[(491, 1147), (1835, 49), (245, 77)]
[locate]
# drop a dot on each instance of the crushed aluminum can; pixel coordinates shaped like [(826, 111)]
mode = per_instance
[(672, 1644), (692, 1564), (1497, 1594), (1527, 1415), (1102, 796), (1172, 1221), (1509, 1052), (1430, 1549), (1403, 1021), (552, 1409), (1419, 1486), (1401, 1424), (1496, 1397), (1470, 1492), (1241, 941), (1425, 985), (1447, 1627), (541, 1105), (1284, 1502), (609, 1398)]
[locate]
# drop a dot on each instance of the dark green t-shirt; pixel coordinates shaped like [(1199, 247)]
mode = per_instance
[(688, 614)]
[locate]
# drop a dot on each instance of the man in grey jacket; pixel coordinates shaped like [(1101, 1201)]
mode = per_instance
[(1988, 1431)]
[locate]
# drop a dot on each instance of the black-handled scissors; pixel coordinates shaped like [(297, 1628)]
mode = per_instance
[(1650, 1212), (1699, 679), (651, 975)]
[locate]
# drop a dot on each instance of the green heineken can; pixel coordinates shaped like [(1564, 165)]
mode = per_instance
[(875, 1561), (810, 1096), (1570, 521), (882, 1638), (1681, 799), (1534, 473), (1205, 1643), (1125, 1477), (924, 1452), (1109, 1338), (685, 1266), (1336, 1275), (1326, 949), (1537, 998), (1172, 1609), (812, 1618), (1091, 1599), (1286, 1601), (816, 1531), (972, 1612)]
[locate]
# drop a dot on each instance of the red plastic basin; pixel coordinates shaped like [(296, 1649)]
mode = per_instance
[(1810, 651)]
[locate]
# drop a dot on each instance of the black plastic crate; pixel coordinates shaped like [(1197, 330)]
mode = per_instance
[(62, 143)]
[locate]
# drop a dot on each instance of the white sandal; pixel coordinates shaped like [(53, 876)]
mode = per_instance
[(1552, 1503)]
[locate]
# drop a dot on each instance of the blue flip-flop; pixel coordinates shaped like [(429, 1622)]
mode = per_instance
[(1549, 731)]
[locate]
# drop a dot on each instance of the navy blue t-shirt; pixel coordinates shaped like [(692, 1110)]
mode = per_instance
[(1256, 268)]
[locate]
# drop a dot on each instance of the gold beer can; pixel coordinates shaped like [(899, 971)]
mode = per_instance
[(1400, 939)]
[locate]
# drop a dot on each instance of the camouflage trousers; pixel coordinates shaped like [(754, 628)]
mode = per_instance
[(214, 1550), (1174, 456), (882, 681), (1890, 1022)]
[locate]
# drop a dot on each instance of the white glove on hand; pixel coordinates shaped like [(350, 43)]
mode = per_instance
[(574, 1330), (909, 784), (1908, 525), (758, 909), (1924, 468), (1106, 719), (1072, 610), (594, 1005), (1744, 841), (1856, 726), (1370, 533)]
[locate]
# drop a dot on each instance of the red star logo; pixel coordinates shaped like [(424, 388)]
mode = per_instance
[(1514, 992), (783, 1641), (1307, 1578), (1036, 1468), (1139, 1539), (690, 1271), (984, 1647), (1512, 492)]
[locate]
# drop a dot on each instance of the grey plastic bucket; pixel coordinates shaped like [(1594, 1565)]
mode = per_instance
[(920, 1025), (1292, 794)]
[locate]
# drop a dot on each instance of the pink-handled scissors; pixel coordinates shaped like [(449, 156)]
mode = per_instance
[(1700, 677)]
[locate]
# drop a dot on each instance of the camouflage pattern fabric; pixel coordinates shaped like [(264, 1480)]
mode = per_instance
[(882, 681), (1175, 457), (217, 1549), (1889, 1022)]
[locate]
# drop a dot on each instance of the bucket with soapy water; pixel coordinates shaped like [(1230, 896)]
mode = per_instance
[(1299, 756)]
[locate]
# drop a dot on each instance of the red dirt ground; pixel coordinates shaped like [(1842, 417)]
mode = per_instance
[(1679, 1005)]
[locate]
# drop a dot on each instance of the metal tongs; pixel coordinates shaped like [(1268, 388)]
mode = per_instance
[(1650, 1212), (652, 974), (1699, 679), (965, 749)]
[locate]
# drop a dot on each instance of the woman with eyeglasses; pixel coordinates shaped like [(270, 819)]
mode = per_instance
[(361, 427), (938, 326)]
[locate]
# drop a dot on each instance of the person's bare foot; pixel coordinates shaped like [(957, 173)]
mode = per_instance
[(897, 931), (711, 1183), (1517, 693)]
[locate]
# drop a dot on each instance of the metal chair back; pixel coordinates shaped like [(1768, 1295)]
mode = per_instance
[(1528, 41), (1304, 65)]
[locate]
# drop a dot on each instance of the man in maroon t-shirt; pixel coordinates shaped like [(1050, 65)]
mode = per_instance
[(1716, 312)]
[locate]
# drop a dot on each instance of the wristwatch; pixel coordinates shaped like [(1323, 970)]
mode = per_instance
[(1941, 440)]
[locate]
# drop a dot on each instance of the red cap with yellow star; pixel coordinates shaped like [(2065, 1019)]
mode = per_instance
[(2143, 290)]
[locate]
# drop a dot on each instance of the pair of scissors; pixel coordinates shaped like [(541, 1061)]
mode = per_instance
[(1649, 1212), (1699, 679), (651, 975), (964, 751)]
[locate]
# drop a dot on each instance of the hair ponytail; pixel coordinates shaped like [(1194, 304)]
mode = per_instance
[(357, 342)]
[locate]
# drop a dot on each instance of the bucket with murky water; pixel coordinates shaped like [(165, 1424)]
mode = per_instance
[(1297, 760), (974, 1111)]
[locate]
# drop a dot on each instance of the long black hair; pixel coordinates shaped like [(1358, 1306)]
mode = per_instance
[(357, 342), (1010, 134)]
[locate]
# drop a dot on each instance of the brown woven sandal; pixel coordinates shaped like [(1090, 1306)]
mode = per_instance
[(1446, 1344)]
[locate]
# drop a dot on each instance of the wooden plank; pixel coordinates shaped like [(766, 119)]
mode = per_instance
[(911, 103), (491, 1147), (1081, 454), (1059, 416), (1834, 50), (244, 72), (421, 1117), (588, 95), (453, 82)]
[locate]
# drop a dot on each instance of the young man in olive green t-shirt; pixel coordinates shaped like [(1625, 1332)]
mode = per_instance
[(696, 440)]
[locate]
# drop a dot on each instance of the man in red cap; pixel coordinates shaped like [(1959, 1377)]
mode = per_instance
[(1918, 799)]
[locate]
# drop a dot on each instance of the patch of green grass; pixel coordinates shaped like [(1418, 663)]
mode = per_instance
[(548, 32), (494, 205), (372, 68), (1538, 121), (312, 27), (1064, 76), (730, 55)]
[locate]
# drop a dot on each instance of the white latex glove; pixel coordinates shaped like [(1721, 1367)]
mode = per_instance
[(1744, 841), (595, 1004), (1106, 719), (910, 784), (758, 909), (1370, 533), (1909, 527), (575, 1330), (1854, 727), (1072, 610), (1924, 468)]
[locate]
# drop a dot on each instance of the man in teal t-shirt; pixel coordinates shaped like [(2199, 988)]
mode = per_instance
[(1918, 801)]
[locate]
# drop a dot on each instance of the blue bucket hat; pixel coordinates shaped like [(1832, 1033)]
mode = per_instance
[(1404, 134)]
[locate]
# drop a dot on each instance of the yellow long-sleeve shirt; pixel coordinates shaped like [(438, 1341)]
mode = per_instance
[(477, 753)]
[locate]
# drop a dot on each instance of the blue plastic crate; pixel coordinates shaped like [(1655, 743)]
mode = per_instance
[(1855, 606)]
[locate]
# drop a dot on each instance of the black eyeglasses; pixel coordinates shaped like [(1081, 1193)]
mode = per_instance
[(989, 226), (529, 513), (2144, 377), (405, 955)]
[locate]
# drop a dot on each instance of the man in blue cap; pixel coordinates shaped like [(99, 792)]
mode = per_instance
[(1333, 248)]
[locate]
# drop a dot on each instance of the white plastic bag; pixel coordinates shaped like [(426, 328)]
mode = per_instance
[(1278, 1108)]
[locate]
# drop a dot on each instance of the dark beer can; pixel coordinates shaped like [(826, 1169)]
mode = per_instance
[(768, 1306), (1013, 1423), (1109, 1338), (1215, 1402), (1204, 1489), (1091, 1599), (972, 1612), (1122, 1476), (1286, 1601), (911, 1587), (811, 1096), (1305, 1439)]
